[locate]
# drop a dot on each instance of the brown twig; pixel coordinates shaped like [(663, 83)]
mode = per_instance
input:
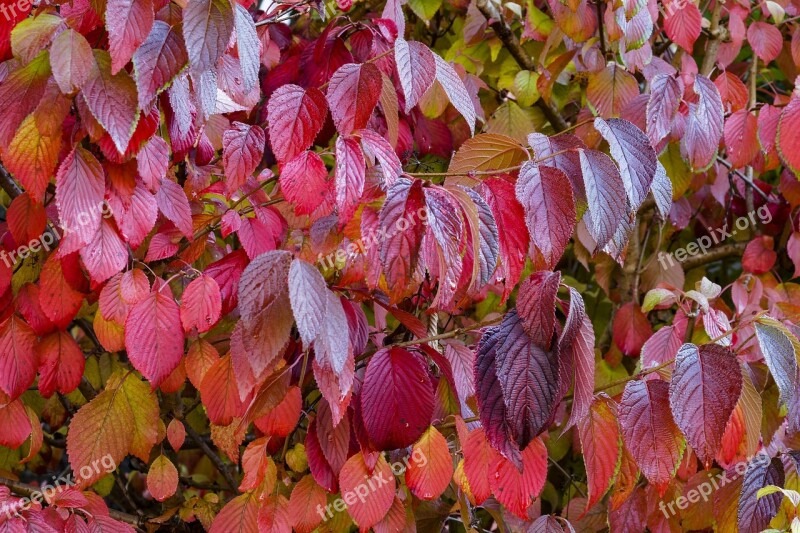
[(8, 184), (720, 252), (717, 33), (213, 457)]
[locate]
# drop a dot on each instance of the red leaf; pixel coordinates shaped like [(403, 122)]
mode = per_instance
[(397, 398), (220, 394), (682, 23), (546, 194), (157, 62), (273, 515), (610, 90), (207, 28), (58, 299), (61, 364), (759, 256), (374, 490), (353, 92), (281, 420), (788, 140), (174, 204), (201, 304), (153, 335), (305, 505), (16, 427), (576, 350), (129, 23), (113, 101), (766, 40), (295, 117), (516, 489), (307, 293), (106, 254), (704, 125), (242, 150), (334, 438), (536, 305), (446, 224), (80, 187), (509, 215), (379, 149), (239, 515), (649, 432), (740, 137), (399, 250), (121, 292), (304, 182), (264, 304), (18, 356), (416, 69), (162, 478), (318, 465), (462, 361), (633, 153), (601, 445), (349, 176), (176, 434), (71, 60), (631, 329), (431, 467), (705, 388), (479, 457), (26, 219)]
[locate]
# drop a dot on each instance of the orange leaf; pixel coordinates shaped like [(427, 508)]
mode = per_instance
[(431, 468), (162, 478)]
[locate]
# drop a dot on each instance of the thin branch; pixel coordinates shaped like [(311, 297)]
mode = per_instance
[(519, 54), (8, 184), (212, 456), (718, 253), (717, 35)]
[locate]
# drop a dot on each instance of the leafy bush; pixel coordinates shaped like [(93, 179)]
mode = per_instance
[(341, 266)]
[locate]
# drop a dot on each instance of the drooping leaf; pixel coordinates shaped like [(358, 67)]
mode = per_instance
[(704, 390), (71, 60), (379, 484), (239, 515), (157, 62), (295, 116), (18, 358), (207, 28), (306, 497), (153, 335), (536, 306), (610, 90), (601, 444), (516, 489), (112, 100), (307, 294), (80, 187), (304, 182), (353, 92), (633, 153), (605, 194), (576, 352), (546, 195), (528, 377), (396, 399), (431, 468), (129, 23), (740, 137), (665, 98), (788, 140), (704, 125), (61, 364), (349, 176), (682, 23), (766, 40), (649, 431), (201, 304), (754, 513), (454, 87), (416, 68), (487, 151), (242, 150)]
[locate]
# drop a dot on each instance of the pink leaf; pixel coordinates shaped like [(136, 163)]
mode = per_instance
[(80, 186), (349, 176), (201, 304), (353, 92), (295, 117), (304, 182), (242, 150), (129, 23), (704, 125), (416, 69), (174, 205)]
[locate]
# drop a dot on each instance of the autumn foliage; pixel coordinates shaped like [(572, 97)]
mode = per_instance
[(399, 266)]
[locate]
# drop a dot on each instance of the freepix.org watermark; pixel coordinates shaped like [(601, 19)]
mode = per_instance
[(371, 483), (47, 491), (716, 236), (374, 238), (48, 238), (704, 490)]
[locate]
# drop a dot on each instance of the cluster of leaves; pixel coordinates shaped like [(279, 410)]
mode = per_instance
[(324, 240)]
